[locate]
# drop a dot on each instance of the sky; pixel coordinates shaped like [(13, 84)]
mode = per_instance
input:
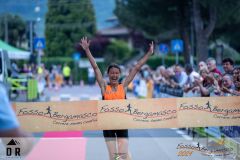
[(35, 10)]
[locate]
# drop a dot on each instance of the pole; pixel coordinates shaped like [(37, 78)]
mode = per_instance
[(39, 57), (177, 58), (31, 37), (163, 59), (192, 36), (76, 72), (6, 28)]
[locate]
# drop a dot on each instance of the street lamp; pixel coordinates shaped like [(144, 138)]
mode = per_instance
[(37, 9)]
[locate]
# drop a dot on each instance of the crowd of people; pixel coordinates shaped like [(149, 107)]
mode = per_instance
[(206, 81), (54, 77)]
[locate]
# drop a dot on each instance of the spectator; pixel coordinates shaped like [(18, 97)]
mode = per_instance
[(142, 87), (47, 77), (52, 76), (136, 82), (228, 85), (191, 73), (170, 78), (91, 76), (40, 69), (236, 81), (206, 85), (202, 65), (66, 74), (212, 67), (58, 80), (180, 75), (41, 79), (158, 79), (15, 70), (149, 87), (191, 77), (25, 69), (228, 66)]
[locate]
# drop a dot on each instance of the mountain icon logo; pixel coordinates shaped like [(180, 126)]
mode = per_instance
[(13, 143)]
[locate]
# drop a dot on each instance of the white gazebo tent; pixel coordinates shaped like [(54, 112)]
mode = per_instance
[(14, 53)]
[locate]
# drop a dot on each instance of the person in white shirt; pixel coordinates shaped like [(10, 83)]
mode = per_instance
[(180, 75), (142, 87)]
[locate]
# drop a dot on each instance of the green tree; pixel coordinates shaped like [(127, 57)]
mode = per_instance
[(154, 17), (117, 52), (211, 15), (16, 29), (158, 19), (67, 21), (227, 26)]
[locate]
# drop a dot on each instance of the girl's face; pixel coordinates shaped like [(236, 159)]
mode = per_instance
[(114, 74)]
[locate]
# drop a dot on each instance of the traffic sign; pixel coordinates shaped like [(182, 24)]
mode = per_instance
[(39, 43), (76, 56), (177, 45), (163, 48)]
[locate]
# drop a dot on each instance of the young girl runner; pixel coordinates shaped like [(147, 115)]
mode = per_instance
[(115, 90)]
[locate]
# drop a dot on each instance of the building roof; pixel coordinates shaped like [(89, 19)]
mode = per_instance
[(114, 31)]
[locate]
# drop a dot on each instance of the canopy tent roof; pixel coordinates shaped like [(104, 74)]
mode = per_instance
[(14, 53)]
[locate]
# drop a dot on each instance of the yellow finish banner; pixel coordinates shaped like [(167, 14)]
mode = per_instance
[(129, 114)]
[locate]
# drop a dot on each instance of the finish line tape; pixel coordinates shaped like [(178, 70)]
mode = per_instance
[(129, 114)]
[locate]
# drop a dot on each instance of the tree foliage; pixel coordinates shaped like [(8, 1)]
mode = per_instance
[(117, 52), (158, 19), (228, 25), (151, 17), (17, 32), (67, 21), (154, 17)]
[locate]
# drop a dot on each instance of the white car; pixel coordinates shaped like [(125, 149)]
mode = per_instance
[(5, 68)]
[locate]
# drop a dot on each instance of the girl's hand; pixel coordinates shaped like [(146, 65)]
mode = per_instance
[(151, 48), (85, 43)]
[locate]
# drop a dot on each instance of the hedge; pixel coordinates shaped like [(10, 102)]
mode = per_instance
[(49, 61), (156, 61)]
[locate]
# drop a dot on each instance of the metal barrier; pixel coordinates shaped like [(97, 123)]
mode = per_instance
[(20, 85), (32, 92), (178, 92)]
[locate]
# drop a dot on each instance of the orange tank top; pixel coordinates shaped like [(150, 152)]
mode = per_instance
[(111, 95)]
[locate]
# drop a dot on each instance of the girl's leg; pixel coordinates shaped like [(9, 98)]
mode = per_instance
[(123, 151), (112, 149)]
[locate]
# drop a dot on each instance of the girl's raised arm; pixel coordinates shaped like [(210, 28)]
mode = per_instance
[(85, 43), (138, 66)]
